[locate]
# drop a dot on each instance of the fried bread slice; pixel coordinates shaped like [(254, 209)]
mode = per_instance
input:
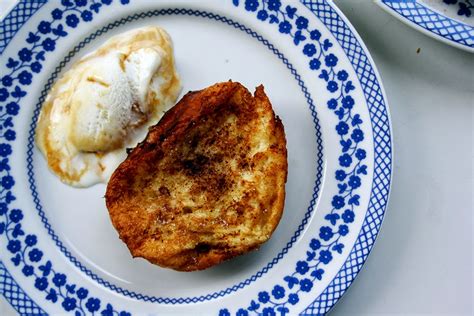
[(208, 182)]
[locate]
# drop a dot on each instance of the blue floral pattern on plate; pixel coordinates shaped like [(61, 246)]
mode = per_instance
[(321, 250)]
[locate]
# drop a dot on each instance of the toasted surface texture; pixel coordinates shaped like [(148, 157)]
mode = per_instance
[(207, 183)]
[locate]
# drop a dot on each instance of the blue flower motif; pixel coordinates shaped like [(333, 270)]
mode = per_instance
[(25, 77), (72, 20), (345, 160), (48, 44), (106, 2), (338, 202), (332, 104), (69, 304), (348, 216), (348, 102), (93, 304), (16, 215), (315, 35), (315, 244), (4, 94), (343, 230), (360, 154), (302, 267), (10, 135), (330, 60), (354, 182), (309, 50), (59, 279), (52, 296), (82, 293), (25, 54), (67, 3), (80, 3), (268, 311), (27, 270), (262, 15), (44, 27), (332, 86), (5, 150), (293, 298), (7, 81), (314, 64), (224, 312), (284, 27), (3, 208), (12, 109), (124, 313), (340, 175), (124, 2), (326, 233), (41, 283), (342, 128), (342, 75), (31, 240), (14, 245), (301, 22), (251, 5), (86, 16), (324, 75), (464, 9), (35, 255), (241, 312), (263, 297), (357, 135), (57, 14), (306, 285), (325, 256), (278, 292), (36, 67), (274, 5)]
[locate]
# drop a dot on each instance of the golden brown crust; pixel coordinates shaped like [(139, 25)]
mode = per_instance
[(207, 183)]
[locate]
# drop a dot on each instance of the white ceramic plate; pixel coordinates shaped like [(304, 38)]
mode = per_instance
[(450, 21), (59, 251)]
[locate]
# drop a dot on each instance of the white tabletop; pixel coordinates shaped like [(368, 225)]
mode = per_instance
[(422, 262)]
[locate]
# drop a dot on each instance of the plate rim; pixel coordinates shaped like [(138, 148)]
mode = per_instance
[(372, 65), (399, 14)]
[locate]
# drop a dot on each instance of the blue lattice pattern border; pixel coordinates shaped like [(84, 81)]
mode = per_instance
[(332, 84), (15, 295), (16, 18), (382, 150), (434, 22)]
